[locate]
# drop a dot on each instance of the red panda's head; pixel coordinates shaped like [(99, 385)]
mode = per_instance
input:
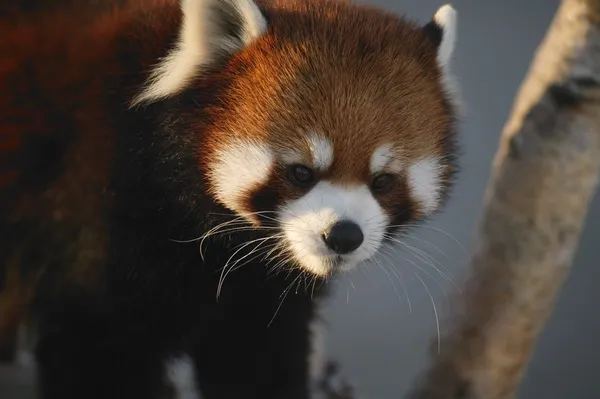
[(336, 121)]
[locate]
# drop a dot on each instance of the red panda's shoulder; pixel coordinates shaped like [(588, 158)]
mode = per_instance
[(58, 66)]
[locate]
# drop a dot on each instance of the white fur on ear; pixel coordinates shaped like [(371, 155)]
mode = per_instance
[(202, 36), (442, 30), (446, 19)]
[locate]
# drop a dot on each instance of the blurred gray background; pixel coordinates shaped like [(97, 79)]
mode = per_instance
[(381, 338), (382, 343)]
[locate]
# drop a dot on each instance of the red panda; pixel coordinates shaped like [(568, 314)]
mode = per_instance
[(180, 179)]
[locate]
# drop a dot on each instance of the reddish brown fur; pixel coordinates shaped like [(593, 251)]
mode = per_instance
[(379, 85), (63, 61), (72, 48), (362, 92)]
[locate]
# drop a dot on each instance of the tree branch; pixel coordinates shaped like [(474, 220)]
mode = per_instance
[(544, 175)]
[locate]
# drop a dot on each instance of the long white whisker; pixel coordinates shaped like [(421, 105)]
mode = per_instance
[(428, 275), (235, 230), (212, 229), (236, 221), (209, 233), (389, 278), (440, 231), (284, 293), (279, 246), (411, 262), (437, 320), (451, 278), (245, 244), (410, 247), (398, 275), (225, 271), (427, 243), (257, 251)]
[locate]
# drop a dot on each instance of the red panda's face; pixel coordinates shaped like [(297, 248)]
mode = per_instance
[(335, 129)]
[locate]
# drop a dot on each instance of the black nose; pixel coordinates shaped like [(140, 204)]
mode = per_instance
[(343, 237)]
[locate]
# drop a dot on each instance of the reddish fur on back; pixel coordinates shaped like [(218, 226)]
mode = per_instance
[(67, 57), (56, 138)]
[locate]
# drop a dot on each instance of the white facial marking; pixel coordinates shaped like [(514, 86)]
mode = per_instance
[(290, 157), (380, 158), (424, 178), (305, 219), (385, 158), (320, 149), (238, 168), (180, 374), (322, 152), (200, 38)]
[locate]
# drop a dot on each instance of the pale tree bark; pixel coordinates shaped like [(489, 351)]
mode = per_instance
[(544, 176)]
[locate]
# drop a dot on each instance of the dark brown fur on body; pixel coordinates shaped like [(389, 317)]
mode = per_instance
[(95, 193)]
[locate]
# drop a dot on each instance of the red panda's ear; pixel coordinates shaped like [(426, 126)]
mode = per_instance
[(441, 30), (208, 28)]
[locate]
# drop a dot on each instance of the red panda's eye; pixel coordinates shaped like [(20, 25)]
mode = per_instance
[(382, 183), (301, 175)]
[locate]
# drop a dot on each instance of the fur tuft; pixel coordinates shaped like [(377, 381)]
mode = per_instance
[(208, 29), (446, 19), (442, 31)]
